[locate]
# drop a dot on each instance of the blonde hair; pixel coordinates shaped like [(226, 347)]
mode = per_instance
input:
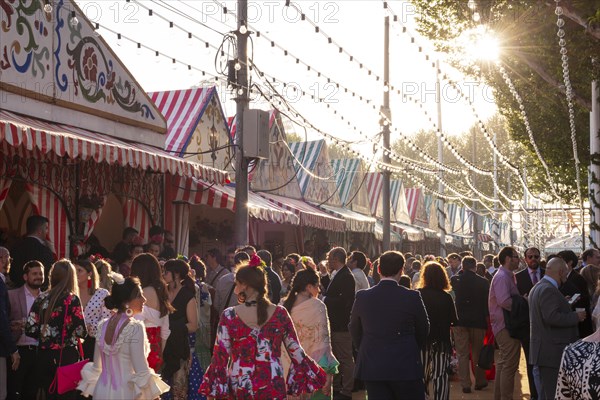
[(63, 281), (104, 269)]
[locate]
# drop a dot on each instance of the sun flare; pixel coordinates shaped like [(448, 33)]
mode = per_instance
[(479, 44)]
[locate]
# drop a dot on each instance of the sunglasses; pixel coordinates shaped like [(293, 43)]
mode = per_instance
[(533, 257)]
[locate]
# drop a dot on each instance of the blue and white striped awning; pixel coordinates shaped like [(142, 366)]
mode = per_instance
[(345, 171), (305, 159)]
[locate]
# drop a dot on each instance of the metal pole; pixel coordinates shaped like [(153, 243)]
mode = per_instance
[(510, 215), (473, 177), (441, 202), (242, 100), (595, 165), (386, 135)]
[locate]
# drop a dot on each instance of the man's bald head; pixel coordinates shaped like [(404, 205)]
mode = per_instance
[(557, 269)]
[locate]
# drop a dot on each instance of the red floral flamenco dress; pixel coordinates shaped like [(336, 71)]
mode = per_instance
[(246, 362)]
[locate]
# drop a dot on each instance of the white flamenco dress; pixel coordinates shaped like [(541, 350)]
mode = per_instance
[(120, 369)]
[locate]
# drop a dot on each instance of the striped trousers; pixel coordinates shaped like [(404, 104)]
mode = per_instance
[(436, 360)]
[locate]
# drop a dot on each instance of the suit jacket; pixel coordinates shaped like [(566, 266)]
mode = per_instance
[(553, 325), (18, 307), (577, 284), (274, 285), (389, 326), (339, 299), (524, 283), (471, 293), (28, 249), (7, 344)]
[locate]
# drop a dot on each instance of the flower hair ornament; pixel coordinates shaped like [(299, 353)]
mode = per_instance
[(117, 278), (96, 257), (256, 261)]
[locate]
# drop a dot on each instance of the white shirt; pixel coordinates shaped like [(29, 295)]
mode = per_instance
[(360, 279), (2, 277), (25, 340)]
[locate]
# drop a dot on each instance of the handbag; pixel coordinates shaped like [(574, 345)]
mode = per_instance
[(67, 377), (486, 356)]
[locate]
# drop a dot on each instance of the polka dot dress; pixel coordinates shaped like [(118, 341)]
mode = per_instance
[(95, 311), (196, 372)]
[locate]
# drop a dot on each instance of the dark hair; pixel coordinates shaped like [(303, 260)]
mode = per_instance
[(506, 252), (569, 255), (240, 257), (265, 255), (156, 230), (182, 269), (34, 223), (339, 254), (587, 254), (391, 263), (434, 276), (129, 231), (147, 269), (90, 268), (469, 263), (453, 255), (360, 258), (299, 283), (405, 281), (214, 252), (32, 264), (146, 247), (256, 278), (249, 249), (479, 267), (198, 265), (496, 262), (416, 265), (296, 257), (289, 266), (466, 253), (121, 294), (132, 247), (534, 249)]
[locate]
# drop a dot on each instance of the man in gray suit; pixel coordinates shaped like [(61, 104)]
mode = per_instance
[(553, 325)]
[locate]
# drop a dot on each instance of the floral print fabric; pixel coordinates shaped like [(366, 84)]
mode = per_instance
[(50, 334), (255, 370)]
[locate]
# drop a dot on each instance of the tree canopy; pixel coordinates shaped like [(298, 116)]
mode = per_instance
[(530, 54)]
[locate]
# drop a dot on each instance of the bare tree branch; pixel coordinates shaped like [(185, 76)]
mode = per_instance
[(572, 14), (538, 69)]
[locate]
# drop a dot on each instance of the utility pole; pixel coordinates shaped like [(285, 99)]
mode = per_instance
[(594, 164), (476, 250), (387, 115), (441, 202), (496, 229), (242, 101)]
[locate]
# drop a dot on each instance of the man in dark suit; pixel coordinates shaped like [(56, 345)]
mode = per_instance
[(526, 279), (471, 293), (389, 326), (8, 349), (32, 247), (273, 279), (576, 283), (553, 325), (21, 300), (339, 298)]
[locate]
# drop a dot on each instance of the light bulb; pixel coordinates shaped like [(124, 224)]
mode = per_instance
[(386, 88), (74, 22), (243, 29), (237, 66), (240, 91), (48, 8)]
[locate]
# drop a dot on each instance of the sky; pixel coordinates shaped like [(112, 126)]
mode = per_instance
[(356, 26)]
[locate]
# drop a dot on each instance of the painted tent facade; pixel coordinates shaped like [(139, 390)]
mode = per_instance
[(315, 173), (416, 207)]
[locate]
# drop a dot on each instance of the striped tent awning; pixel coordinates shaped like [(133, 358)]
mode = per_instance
[(182, 109), (412, 234), (308, 214), (25, 134), (198, 192), (374, 186), (345, 171), (305, 158), (378, 232), (412, 201), (355, 222)]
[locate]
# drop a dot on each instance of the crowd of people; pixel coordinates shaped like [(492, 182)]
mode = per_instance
[(240, 326)]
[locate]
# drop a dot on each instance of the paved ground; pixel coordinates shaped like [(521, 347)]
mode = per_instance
[(521, 388)]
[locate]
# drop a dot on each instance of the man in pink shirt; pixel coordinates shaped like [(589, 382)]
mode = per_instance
[(502, 288)]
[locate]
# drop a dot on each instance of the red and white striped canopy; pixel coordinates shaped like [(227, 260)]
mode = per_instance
[(412, 201), (25, 134), (309, 215), (374, 185), (199, 192)]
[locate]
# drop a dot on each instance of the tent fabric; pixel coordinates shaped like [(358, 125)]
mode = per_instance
[(568, 242), (24, 134), (378, 232), (308, 214), (197, 192), (137, 217), (306, 155), (374, 186), (355, 222), (412, 234), (345, 171), (5, 184)]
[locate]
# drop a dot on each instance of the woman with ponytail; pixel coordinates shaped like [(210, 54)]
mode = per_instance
[(183, 323), (309, 315), (246, 359)]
